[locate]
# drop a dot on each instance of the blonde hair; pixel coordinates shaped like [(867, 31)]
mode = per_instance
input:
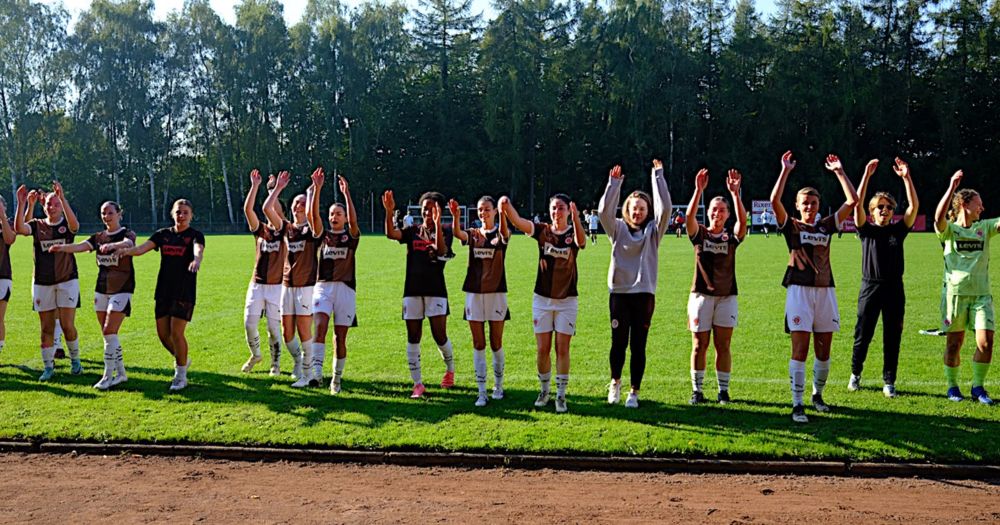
[(182, 202), (961, 198), (881, 195), (808, 190), (637, 194)]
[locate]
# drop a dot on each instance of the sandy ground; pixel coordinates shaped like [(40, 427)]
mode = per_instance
[(133, 489)]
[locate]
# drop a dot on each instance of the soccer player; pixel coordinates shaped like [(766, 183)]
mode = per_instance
[(6, 275), (593, 219), (810, 302), (712, 306), (114, 288), (966, 300), (765, 223), (485, 289), (554, 305), (334, 296), (264, 293), (181, 250), (56, 287), (881, 275), (299, 275), (425, 295), (635, 241)]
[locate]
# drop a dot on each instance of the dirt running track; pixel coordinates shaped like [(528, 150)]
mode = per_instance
[(131, 489)]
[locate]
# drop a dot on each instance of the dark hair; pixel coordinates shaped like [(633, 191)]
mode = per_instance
[(488, 199), (561, 197), (339, 205), (113, 204), (436, 197)]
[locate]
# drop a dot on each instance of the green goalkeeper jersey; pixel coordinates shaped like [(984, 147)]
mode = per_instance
[(967, 256)]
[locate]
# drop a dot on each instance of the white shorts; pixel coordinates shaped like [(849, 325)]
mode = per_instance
[(48, 297), (296, 300), (338, 301), (811, 309), (115, 302), (549, 314), (706, 311), (424, 306), (482, 307), (263, 299), (5, 287)]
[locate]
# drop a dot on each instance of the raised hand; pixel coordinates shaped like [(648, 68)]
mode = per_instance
[(733, 181), (255, 178), (701, 179), (342, 184), (453, 207), (22, 193), (787, 162), (318, 177), (504, 203), (3, 209), (282, 181), (436, 213), (572, 209), (33, 197), (57, 189), (901, 168), (657, 164), (388, 202), (616, 172), (956, 179), (833, 163), (870, 167), (271, 180)]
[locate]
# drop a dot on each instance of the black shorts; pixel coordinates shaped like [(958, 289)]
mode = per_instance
[(173, 308), (634, 310)]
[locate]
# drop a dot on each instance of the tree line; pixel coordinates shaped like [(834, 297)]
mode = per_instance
[(544, 97)]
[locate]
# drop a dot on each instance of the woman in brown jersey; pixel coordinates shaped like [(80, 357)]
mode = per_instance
[(334, 296), (114, 287), (554, 305), (712, 306), (56, 290), (264, 293), (485, 289), (301, 242), (9, 236), (811, 304)]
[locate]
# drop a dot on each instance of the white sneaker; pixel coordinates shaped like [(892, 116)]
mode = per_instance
[(498, 393), (632, 401), (561, 404), (543, 399), (614, 392), (316, 379), (334, 387), (104, 383), (275, 370), (889, 391), (301, 383), (248, 366), (178, 383), (297, 370), (854, 384), (481, 400), (119, 379)]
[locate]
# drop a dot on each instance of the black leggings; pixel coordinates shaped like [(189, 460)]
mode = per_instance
[(631, 314), (888, 299)]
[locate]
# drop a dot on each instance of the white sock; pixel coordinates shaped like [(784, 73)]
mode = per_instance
[(821, 371), (1, 345), (57, 335), (110, 349), (479, 363), (448, 354), (319, 357), (119, 362), (723, 378), (181, 371), (49, 356), (697, 379), (74, 348), (413, 359), (294, 349), (797, 378), (498, 366), (338, 369), (253, 337), (562, 380), (307, 355), (544, 379)]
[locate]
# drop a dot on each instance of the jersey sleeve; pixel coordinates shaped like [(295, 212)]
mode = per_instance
[(158, 238), (199, 238), (993, 225), (130, 235), (537, 230), (944, 234), (406, 235), (830, 222), (449, 237), (259, 230), (93, 242), (697, 237)]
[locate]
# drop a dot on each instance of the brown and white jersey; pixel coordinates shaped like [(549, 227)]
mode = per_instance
[(486, 272), (269, 255), (336, 258), (556, 277), (114, 274), (5, 270), (808, 252), (52, 268), (300, 259), (714, 262)]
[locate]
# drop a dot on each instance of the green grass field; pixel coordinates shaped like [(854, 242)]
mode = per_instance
[(374, 411)]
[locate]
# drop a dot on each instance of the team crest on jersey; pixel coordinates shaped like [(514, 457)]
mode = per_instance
[(568, 240), (979, 233), (559, 253), (725, 236), (495, 241), (614, 323), (343, 238), (62, 229), (483, 253), (187, 240), (796, 320)]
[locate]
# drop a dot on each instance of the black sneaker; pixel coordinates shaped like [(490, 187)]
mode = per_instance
[(819, 404), (696, 397), (799, 414), (723, 397)]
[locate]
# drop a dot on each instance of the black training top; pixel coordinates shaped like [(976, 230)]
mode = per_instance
[(882, 251)]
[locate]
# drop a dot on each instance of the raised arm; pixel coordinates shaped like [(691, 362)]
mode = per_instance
[(456, 221), (352, 214), (252, 221), (691, 217), (71, 222), (25, 203), (941, 213), (662, 204), (734, 181), (913, 203), (389, 203), (519, 222), (271, 202), (860, 215), (504, 227), (313, 216), (851, 197), (787, 165), (579, 233), (439, 244), (609, 201), (9, 235)]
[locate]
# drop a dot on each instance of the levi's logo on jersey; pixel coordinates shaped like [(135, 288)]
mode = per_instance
[(109, 259), (721, 248), (53, 242), (173, 251), (816, 239), (270, 246), (483, 253), (559, 253), (296, 246), (969, 245), (335, 252)]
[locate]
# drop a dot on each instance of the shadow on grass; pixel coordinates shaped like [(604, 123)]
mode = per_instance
[(710, 430)]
